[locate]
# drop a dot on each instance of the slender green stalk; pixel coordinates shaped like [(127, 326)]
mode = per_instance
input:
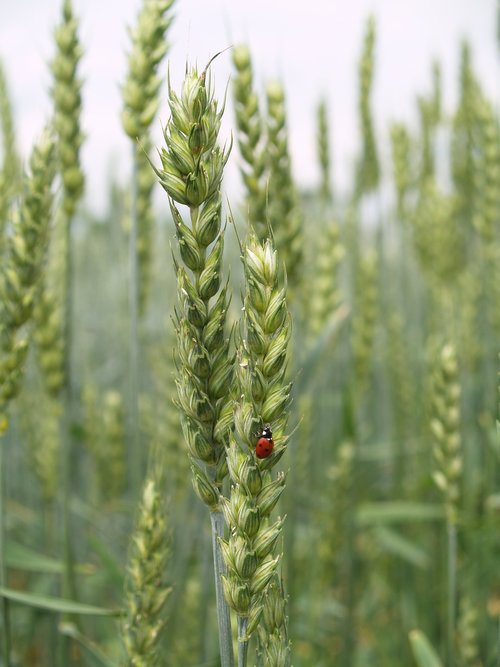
[(68, 581), (350, 624), (452, 590), (242, 641), (133, 304), (5, 640), (498, 644), (226, 651), (69, 584)]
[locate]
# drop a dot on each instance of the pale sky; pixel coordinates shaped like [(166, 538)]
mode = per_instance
[(312, 46)]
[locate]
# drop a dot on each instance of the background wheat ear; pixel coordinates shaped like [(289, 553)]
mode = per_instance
[(284, 209), (19, 281), (392, 495), (21, 272), (324, 157), (141, 101), (445, 427), (146, 587), (369, 168), (251, 139), (10, 170), (66, 93)]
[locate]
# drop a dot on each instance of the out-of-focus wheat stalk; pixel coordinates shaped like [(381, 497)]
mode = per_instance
[(251, 140), (141, 100), (67, 101), (369, 168), (10, 169), (19, 282)]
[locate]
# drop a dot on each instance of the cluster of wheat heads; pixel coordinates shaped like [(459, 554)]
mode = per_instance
[(370, 536)]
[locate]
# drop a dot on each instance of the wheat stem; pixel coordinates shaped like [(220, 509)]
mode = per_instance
[(135, 452), (498, 644), (3, 573), (242, 641), (66, 94), (223, 617), (452, 590)]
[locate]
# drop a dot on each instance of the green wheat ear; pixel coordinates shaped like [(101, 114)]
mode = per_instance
[(323, 148), (369, 168), (20, 275), (141, 101), (10, 169), (325, 296), (468, 635), (66, 93), (364, 322), (445, 427), (142, 87), (192, 166), (487, 172), (284, 211), (401, 156), (146, 588), (271, 199), (263, 396), (274, 645), (250, 140)]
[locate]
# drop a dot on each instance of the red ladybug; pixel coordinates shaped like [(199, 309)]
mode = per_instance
[(265, 444)]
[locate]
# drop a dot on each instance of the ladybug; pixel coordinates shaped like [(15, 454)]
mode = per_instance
[(265, 444)]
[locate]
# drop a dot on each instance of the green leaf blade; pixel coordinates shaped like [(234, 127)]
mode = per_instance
[(58, 605)]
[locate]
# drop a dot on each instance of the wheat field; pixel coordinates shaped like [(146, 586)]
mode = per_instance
[(252, 428)]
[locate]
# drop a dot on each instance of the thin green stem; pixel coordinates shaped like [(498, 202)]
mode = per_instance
[(242, 641), (349, 595), (205, 628), (498, 645), (135, 454), (68, 579), (68, 582), (223, 617), (3, 573), (452, 590)]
